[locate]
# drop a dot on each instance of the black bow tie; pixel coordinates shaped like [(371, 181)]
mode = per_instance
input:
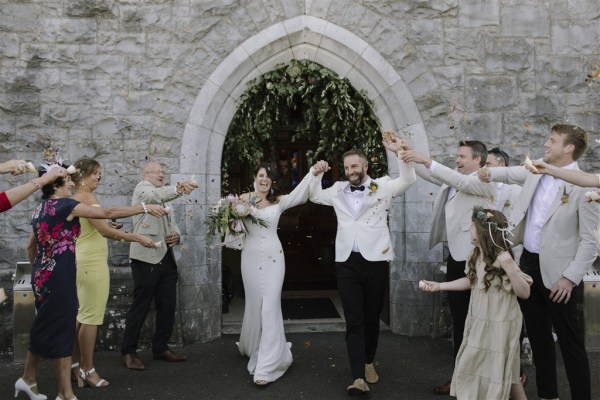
[(353, 188)]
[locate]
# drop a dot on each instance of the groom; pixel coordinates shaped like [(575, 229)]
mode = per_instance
[(363, 248)]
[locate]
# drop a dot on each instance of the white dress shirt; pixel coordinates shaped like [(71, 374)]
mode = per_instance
[(537, 212), (355, 200), (499, 206)]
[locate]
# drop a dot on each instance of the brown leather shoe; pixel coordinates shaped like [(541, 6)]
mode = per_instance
[(358, 387), (169, 356), (133, 362), (443, 389)]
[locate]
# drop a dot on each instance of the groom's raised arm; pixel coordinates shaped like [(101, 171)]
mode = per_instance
[(405, 180)]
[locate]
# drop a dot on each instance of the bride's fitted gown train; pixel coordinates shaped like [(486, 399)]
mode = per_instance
[(263, 268)]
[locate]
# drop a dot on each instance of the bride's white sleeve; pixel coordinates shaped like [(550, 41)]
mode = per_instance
[(300, 193)]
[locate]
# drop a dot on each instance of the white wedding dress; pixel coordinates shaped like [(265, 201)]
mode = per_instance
[(263, 268)]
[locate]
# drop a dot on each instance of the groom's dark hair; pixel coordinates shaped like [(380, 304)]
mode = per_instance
[(356, 152)]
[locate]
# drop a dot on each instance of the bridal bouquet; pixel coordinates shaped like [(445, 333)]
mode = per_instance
[(226, 221)]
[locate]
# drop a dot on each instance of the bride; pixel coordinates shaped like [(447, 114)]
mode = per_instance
[(263, 268)]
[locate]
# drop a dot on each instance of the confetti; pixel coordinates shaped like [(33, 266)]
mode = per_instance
[(592, 196), (29, 167), (529, 165)]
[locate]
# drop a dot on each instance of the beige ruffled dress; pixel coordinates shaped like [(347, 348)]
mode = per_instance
[(488, 360)]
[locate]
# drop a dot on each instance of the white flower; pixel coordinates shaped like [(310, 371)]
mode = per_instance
[(242, 210)]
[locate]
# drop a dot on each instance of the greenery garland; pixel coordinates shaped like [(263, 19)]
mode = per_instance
[(334, 115)]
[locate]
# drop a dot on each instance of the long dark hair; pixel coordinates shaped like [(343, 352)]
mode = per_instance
[(273, 174), (491, 226)]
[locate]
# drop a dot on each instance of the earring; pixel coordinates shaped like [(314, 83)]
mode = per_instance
[(83, 183)]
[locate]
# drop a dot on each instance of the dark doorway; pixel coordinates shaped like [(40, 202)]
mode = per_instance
[(307, 231)]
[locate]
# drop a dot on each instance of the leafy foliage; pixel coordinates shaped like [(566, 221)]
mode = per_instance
[(334, 115)]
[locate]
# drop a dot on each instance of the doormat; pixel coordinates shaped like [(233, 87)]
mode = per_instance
[(308, 308)]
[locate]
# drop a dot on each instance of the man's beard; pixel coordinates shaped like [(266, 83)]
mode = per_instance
[(359, 178)]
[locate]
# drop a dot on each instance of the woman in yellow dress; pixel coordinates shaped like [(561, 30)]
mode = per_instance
[(93, 279)]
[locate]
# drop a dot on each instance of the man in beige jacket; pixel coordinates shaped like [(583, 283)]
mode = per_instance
[(556, 225), (154, 270)]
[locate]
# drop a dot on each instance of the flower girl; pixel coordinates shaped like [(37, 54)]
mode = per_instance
[(487, 364)]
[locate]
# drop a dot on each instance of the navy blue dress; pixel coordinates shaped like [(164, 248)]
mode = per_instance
[(53, 279)]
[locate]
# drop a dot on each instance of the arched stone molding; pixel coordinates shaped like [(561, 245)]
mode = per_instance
[(301, 37)]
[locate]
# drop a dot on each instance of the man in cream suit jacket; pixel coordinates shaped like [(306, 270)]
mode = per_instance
[(363, 249), (555, 223), (460, 191), (154, 271)]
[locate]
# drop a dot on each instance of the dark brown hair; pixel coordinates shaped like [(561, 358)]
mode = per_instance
[(50, 188), (477, 148), (273, 174)]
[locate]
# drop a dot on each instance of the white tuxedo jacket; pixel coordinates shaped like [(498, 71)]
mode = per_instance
[(452, 216), (369, 227), (567, 243)]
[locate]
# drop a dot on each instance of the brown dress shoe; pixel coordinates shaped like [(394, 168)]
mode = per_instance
[(133, 362), (358, 387), (169, 356), (443, 389)]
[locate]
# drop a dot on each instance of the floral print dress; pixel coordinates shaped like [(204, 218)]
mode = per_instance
[(53, 279)]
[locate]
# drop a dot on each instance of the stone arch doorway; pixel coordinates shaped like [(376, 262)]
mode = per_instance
[(302, 37)]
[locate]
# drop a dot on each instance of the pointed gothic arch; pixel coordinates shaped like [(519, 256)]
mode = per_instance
[(302, 37)]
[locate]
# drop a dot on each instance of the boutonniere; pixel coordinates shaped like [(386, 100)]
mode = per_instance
[(373, 187), (507, 203), (565, 196)]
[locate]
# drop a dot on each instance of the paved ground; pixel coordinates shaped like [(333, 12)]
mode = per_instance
[(409, 369)]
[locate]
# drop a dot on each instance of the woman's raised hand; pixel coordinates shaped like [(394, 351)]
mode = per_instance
[(320, 167)]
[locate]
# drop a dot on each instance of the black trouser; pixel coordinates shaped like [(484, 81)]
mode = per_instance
[(541, 314), (158, 282), (458, 301), (361, 284)]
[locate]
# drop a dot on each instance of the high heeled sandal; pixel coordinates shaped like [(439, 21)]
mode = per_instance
[(22, 386), (261, 382), (75, 373), (58, 398), (84, 377)]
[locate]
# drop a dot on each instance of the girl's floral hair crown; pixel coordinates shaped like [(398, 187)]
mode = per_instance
[(485, 217)]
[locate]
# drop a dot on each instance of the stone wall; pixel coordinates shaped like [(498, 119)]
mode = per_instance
[(126, 80)]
